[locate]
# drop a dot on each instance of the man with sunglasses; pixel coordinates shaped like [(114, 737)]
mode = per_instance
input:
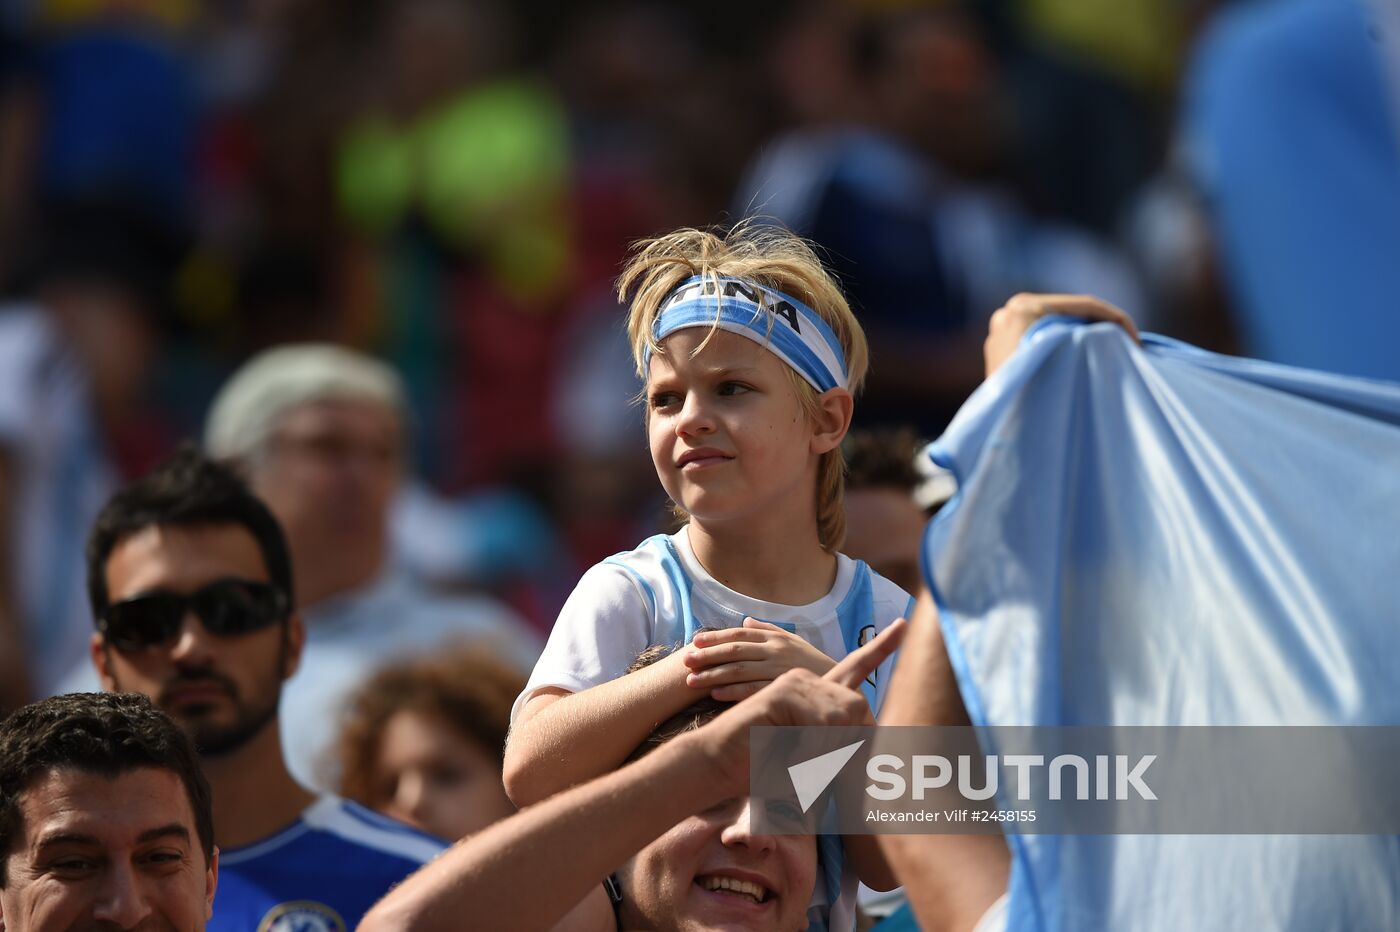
[(191, 588)]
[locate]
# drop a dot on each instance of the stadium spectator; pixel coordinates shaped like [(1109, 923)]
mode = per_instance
[(191, 588), (105, 819), (321, 433), (424, 739), (901, 204), (675, 819), (1291, 123), (884, 518), (74, 355)]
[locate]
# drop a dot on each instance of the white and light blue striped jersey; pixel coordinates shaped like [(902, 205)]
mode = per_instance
[(320, 874), (660, 594)]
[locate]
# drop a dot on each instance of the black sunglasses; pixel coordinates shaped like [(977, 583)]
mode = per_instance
[(225, 607)]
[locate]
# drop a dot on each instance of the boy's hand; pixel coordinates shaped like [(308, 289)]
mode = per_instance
[(735, 663), (799, 697), (1011, 321)]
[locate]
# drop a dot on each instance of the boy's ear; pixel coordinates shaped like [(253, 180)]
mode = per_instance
[(834, 410)]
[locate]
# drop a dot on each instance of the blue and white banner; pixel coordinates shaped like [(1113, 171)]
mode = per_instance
[(1154, 536)]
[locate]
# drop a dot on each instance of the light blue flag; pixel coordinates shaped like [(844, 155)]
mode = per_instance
[(1164, 536)]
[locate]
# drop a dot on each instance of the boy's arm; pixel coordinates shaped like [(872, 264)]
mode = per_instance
[(561, 739), (576, 838), (951, 880)]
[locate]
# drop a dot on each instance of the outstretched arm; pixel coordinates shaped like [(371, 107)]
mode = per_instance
[(576, 838), (951, 880)]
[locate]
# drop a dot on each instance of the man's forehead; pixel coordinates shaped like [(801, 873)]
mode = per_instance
[(70, 802), (182, 558), (324, 415)]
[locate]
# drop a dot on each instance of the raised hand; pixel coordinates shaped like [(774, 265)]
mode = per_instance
[(1011, 321)]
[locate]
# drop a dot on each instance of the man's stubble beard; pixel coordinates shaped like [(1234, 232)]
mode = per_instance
[(212, 740)]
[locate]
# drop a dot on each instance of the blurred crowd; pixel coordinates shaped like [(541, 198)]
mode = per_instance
[(450, 186)]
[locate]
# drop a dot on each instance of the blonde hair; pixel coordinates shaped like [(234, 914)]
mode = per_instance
[(775, 258)]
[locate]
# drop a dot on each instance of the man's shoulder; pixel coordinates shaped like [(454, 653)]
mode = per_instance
[(422, 615), (358, 840), (321, 873)]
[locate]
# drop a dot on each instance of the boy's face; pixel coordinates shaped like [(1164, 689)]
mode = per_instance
[(728, 435)]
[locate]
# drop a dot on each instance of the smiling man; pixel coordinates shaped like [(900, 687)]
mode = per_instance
[(104, 819), (191, 588)]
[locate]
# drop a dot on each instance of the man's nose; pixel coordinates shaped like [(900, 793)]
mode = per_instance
[(193, 642), (121, 899), (739, 829)]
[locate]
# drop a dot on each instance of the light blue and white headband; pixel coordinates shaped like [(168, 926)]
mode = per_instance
[(779, 322)]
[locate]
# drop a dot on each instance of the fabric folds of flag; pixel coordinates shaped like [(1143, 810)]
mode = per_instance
[(1158, 535)]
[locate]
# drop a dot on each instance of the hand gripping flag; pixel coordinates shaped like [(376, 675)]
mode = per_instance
[(1158, 535)]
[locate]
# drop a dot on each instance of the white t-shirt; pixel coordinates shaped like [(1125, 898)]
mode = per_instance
[(352, 636), (660, 594)]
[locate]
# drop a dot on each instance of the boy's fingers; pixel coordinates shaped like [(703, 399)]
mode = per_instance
[(861, 662), (726, 635), (752, 623), (723, 653), (736, 691), (737, 671)]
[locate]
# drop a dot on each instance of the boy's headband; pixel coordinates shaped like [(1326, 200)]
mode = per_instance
[(783, 324)]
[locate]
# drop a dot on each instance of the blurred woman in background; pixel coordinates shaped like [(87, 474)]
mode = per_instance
[(422, 742)]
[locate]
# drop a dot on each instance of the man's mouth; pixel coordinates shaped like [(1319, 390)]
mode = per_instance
[(733, 886), (194, 692)]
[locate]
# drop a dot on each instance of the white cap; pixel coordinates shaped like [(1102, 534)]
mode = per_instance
[(277, 380)]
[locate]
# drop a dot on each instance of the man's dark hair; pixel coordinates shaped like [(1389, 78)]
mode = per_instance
[(882, 457), (190, 489), (107, 734)]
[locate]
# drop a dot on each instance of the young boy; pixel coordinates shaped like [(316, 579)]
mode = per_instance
[(751, 357)]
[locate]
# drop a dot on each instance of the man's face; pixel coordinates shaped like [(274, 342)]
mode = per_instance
[(100, 853), (329, 474), (885, 528), (711, 872), (222, 689)]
